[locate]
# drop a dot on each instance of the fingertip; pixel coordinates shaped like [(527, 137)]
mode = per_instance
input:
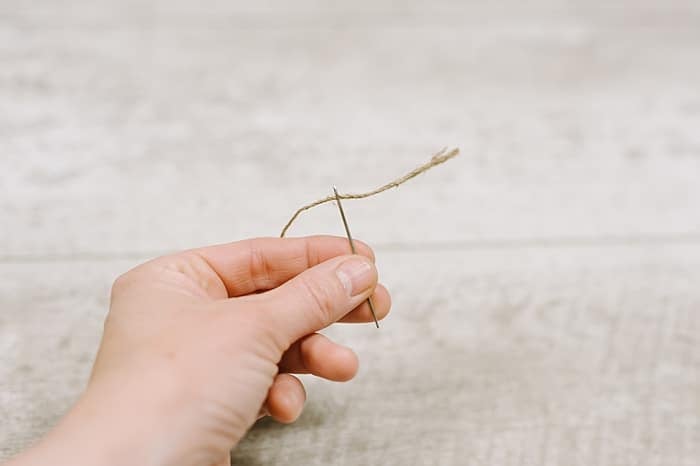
[(364, 249), (286, 398), (384, 297), (381, 298), (348, 366), (325, 358)]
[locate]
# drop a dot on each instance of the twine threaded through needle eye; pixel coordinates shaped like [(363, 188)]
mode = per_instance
[(441, 157)]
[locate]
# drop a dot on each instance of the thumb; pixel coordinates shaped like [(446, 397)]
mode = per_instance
[(319, 296)]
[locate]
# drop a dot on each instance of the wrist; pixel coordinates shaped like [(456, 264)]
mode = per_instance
[(95, 432)]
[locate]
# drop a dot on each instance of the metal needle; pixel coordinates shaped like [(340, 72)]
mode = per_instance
[(352, 248)]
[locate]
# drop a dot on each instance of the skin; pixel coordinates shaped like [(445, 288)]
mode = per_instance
[(198, 345)]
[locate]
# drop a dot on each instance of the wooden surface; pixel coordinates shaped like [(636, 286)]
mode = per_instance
[(545, 283)]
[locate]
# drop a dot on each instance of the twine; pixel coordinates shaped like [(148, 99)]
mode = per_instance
[(441, 157)]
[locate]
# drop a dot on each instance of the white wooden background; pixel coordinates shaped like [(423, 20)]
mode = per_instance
[(546, 283)]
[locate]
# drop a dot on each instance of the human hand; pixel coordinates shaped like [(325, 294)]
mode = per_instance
[(197, 345)]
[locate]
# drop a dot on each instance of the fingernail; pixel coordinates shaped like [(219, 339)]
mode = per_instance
[(356, 275)]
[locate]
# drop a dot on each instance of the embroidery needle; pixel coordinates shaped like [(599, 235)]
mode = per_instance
[(352, 247)]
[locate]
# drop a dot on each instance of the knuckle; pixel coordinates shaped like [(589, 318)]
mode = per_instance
[(366, 250), (256, 329), (311, 254), (258, 267), (318, 299), (191, 270), (120, 284), (128, 281)]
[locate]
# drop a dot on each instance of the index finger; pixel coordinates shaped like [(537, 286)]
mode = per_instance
[(262, 264)]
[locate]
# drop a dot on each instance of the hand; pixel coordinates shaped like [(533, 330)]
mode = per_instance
[(198, 345)]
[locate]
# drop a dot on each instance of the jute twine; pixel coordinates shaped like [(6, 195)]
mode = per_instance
[(441, 157)]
